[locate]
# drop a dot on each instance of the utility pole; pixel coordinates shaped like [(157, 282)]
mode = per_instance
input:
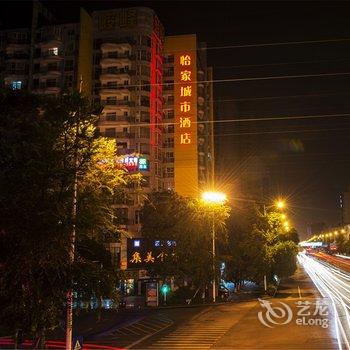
[(69, 320), (214, 270)]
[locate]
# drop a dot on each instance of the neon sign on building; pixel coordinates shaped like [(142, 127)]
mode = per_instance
[(135, 163)]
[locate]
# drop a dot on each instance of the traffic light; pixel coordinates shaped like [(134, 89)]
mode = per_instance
[(165, 289)]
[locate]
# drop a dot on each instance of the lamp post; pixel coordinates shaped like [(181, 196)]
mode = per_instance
[(214, 198)]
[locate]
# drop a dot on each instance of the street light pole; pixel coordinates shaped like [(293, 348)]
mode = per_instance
[(69, 300), (214, 198), (214, 270)]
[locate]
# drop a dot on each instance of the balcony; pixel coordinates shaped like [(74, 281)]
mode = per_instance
[(168, 160), (116, 58), (49, 71), (110, 89), (116, 73), (116, 46), (118, 119), (18, 41), (17, 56), (122, 103), (125, 151), (124, 135), (16, 72)]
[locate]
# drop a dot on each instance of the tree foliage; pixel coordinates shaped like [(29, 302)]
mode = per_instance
[(40, 140), (165, 216), (259, 245)]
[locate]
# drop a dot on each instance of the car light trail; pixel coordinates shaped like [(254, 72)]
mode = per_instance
[(334, 284)]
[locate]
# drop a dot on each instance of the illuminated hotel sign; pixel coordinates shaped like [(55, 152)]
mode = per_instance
[(185, 110), (135, 163)]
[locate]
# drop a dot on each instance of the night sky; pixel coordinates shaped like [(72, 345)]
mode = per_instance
[(307, 159)]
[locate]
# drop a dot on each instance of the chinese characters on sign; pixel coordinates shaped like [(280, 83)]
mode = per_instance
[(185, 99), (143, 253), (134, 163)]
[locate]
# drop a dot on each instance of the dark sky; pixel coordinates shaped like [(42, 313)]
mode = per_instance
[(307, 159)]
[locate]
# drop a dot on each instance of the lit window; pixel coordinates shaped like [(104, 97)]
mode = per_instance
[(136, 243), (53, 51), (16, 85)]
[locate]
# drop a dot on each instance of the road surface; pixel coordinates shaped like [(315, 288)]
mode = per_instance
[(237, 325), (334, 284)]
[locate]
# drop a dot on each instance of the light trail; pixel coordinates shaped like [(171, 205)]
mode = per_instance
[(334, 284)]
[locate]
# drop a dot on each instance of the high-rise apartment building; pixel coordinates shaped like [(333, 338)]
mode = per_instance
[(48, 57), (128, 46)]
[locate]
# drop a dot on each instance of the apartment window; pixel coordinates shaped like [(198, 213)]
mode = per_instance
[(144, 132), (68, 65), (169, 72), (36, 67), (145, 116), (16, 85), (145, 70), (170, 129), (112, 116), (137, 216), (169, 142), (51, 83), (68, 80), (71, 33), (52, 67), (110, 132), (126, 98), (53, 51), (145, 101), (170, 114), (111, 100), (112, 84), (169, 172), (126, 113), (126, 82), (144, 148), (169, 157)]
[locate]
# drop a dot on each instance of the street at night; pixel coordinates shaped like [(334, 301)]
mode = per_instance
[(174, 175)]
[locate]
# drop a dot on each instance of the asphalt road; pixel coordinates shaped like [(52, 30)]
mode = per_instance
[(237, 325), (334, 284)]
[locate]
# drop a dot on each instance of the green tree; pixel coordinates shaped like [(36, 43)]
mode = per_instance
[(40, 139), (246, 247), (165, 216)]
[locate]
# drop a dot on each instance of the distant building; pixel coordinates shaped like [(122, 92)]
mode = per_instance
[(47, 57)]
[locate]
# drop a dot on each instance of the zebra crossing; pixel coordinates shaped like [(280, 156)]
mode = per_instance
[(125, 336), (193, 336)]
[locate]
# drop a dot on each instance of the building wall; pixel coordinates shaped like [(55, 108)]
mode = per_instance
[(187, 139), (127, 81)]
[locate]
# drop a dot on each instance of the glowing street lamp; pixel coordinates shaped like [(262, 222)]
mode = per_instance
[(214, 198), (280, 204)]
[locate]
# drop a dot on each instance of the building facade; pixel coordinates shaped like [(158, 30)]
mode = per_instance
[(47, 58), (188, 164)]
